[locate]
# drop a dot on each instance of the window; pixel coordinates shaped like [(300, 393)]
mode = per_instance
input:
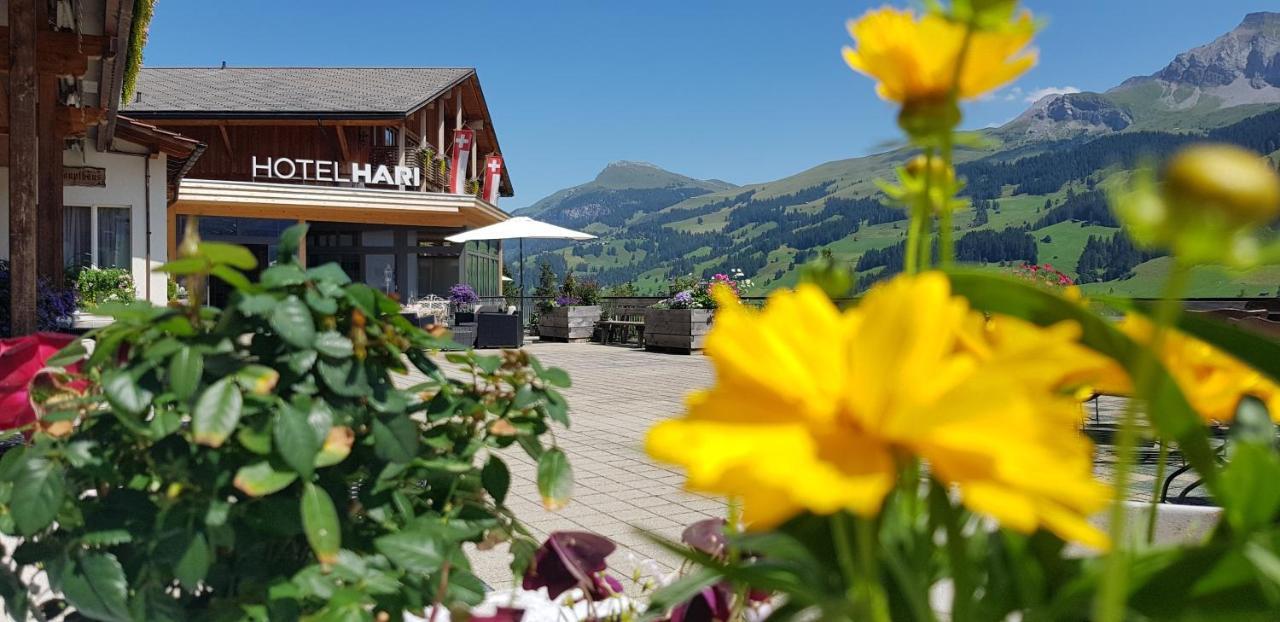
[(113, 237), (77, 236)]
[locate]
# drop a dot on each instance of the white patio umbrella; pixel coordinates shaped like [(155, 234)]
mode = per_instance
[(519, 228)]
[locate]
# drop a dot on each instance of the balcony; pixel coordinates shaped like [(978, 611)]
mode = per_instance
[(435, 177)]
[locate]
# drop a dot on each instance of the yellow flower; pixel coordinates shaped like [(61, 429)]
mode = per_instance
[(914, 58), (815, 409), (1213, 381)]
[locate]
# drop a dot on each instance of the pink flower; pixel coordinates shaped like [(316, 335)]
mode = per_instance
[(21, 358)]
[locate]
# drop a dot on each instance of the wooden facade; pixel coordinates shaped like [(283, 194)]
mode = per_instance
[(371, 138), (60, 84)]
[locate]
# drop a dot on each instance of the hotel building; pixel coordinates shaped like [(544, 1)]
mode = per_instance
[(383, 163)]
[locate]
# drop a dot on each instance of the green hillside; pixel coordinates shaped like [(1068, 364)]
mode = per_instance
[(1037, 187)]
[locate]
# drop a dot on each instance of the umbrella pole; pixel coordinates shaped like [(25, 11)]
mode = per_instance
[(522, 293)]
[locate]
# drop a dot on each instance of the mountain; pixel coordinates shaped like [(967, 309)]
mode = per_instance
[(1236, 75), (1038, 190), (621, 191)]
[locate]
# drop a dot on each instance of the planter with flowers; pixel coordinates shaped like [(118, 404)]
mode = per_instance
[(681, 323), (571, 316), (463, 300)]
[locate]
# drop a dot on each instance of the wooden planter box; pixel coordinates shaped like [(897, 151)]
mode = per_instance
[(676, 330), (568, 323)]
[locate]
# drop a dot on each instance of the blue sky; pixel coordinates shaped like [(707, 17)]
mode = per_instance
[(741, 90)]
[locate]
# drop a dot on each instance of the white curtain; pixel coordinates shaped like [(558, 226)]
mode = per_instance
[(77, 236), (113, 237)]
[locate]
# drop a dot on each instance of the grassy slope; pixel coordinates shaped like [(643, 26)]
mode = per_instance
[(855, 178)]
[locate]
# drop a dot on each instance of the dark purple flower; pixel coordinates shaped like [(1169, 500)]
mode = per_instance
[(712, 603), (706, 536), (567, 301), (462, 294), (569, 559)]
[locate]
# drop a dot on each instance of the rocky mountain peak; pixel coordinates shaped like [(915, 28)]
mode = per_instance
[(1248, 54)]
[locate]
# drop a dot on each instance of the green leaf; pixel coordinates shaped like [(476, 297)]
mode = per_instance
[(38, 491), (257, 304), (320, 303), (557, 377), (124, 394), (257, 379), (417, 550), (282, 275), (682, 590), (1247, 489), (329, 273), (555, 479), (557, 407), (1169, 410), (290, 241), (72, 353), (216, 413), (186, 368), (320, 523), (291, 319), (333, 344), (234, 278), (260, 479), (396, 439), (96, 586), (185, 266), (296, 440), (496, 479), (346, 377), (230, 254), (194, 563)]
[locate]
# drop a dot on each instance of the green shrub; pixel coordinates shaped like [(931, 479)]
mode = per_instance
[(96, 286), (258, 462)]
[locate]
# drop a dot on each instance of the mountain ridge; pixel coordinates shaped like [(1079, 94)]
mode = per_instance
[(1089, 141)]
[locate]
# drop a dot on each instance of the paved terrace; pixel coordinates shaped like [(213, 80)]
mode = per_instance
[(618, 393)]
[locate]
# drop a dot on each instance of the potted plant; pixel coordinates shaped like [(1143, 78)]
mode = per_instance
[(572, 315), (680, 323), (463, 299), (183, 472)]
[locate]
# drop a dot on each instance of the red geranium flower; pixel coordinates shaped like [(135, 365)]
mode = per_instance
[(21, 358)]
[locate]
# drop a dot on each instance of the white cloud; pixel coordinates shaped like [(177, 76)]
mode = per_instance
[(1013, 94), (1036, 95)]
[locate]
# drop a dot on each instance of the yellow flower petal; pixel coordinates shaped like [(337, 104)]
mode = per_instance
[(914, 58)]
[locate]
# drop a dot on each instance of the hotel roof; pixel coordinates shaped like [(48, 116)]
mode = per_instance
[(340, 92)]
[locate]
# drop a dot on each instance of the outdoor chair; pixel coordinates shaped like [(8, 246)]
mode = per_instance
[(495, 329)]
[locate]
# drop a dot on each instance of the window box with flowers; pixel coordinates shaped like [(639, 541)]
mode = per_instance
[(681, 323)]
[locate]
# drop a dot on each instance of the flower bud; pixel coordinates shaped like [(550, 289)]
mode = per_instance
[(938, 169), (927, 118), (1234, 182)]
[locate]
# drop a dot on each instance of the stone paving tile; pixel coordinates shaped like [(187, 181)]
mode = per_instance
[(617, 394)]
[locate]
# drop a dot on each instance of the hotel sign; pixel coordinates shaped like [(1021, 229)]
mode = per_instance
[(330, 171)]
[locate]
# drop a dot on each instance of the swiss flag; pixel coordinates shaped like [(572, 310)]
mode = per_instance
[(492, 178), (463, 143)]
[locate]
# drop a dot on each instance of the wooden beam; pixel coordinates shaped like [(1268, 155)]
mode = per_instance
[(342, 143), (118, 23), (23, 166), (60, 53), (226, 139), (49, 263), (68, 121), (266, 121)]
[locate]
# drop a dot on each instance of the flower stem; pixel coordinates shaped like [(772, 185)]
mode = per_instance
[(1110, 604), (1165, 316), (911, 254), (859, 565)]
